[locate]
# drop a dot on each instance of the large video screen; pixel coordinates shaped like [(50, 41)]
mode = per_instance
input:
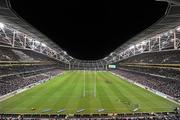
[(112, 66)]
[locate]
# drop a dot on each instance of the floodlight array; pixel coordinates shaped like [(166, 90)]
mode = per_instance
[(162, 35), (19, 39), (159, 41)]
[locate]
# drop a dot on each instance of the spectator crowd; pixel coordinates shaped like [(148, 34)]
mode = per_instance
[(21, 68), (157, 70)]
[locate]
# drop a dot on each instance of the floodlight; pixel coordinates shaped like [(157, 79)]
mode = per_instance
[(44, 45), (172, 40), (37, 42), (105, 57), (71, 57), (131, 47), (143, 42), (166, 34), (137, 45), (1, 25), (178, 28), (65, 52)]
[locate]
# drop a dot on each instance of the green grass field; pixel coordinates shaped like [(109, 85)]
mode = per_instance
[(87, 91)]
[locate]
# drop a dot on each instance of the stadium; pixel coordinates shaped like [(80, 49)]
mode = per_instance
[(140, 80)]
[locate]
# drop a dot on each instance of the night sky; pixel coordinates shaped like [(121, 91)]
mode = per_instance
[(89, 30)]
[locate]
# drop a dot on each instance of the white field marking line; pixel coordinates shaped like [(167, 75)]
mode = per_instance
[(84, 92), (133, 82), (95, 83), (102, 96), (95, 108)]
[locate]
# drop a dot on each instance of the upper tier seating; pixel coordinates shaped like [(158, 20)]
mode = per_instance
[(163, 57), (12, 54)]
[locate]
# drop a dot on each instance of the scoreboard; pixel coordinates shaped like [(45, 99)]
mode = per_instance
[(112, 66)]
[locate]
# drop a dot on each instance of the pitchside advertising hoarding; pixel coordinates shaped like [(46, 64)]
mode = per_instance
[(112, 66)]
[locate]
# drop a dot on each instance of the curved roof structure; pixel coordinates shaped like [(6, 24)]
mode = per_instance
[(12, 21), (9, 17), (170, 20)]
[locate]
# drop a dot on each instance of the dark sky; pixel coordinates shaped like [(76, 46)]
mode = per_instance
[(89, 29)]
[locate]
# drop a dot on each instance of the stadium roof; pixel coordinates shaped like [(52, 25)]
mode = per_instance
[(170, 20), (9, 17)]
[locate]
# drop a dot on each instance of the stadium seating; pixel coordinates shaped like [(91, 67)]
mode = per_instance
[(168, 72), (14, 54), (163, 57), (128, 116), (15, 82), (20, 68), (7, 55), (168, 86), (23, 68), (156, 70)]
